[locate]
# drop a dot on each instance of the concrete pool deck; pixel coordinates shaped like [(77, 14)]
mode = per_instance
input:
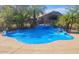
[(11, 46)]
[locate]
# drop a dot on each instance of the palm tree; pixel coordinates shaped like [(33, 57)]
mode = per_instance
[(6, 15), (70, 18)]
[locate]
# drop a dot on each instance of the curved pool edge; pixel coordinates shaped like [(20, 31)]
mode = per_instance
[(32, 40)]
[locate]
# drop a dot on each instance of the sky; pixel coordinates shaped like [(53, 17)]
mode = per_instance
[(60, 8)]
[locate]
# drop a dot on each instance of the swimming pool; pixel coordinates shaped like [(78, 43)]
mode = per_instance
[(39, 35)]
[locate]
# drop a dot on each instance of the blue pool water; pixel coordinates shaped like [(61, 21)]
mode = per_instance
[(39, 35)]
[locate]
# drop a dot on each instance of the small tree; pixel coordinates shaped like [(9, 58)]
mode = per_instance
[(70, 18)]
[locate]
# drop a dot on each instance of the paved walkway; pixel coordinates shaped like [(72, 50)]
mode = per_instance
[(11, 46)]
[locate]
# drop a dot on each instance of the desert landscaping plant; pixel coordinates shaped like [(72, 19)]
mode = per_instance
[(19, 15)]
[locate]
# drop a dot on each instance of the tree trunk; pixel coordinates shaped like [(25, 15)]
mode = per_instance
[(67, 27), (71, 26), (34, 14)]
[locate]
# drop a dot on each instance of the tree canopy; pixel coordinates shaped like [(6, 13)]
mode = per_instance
[(70, 18), (16, 14)]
